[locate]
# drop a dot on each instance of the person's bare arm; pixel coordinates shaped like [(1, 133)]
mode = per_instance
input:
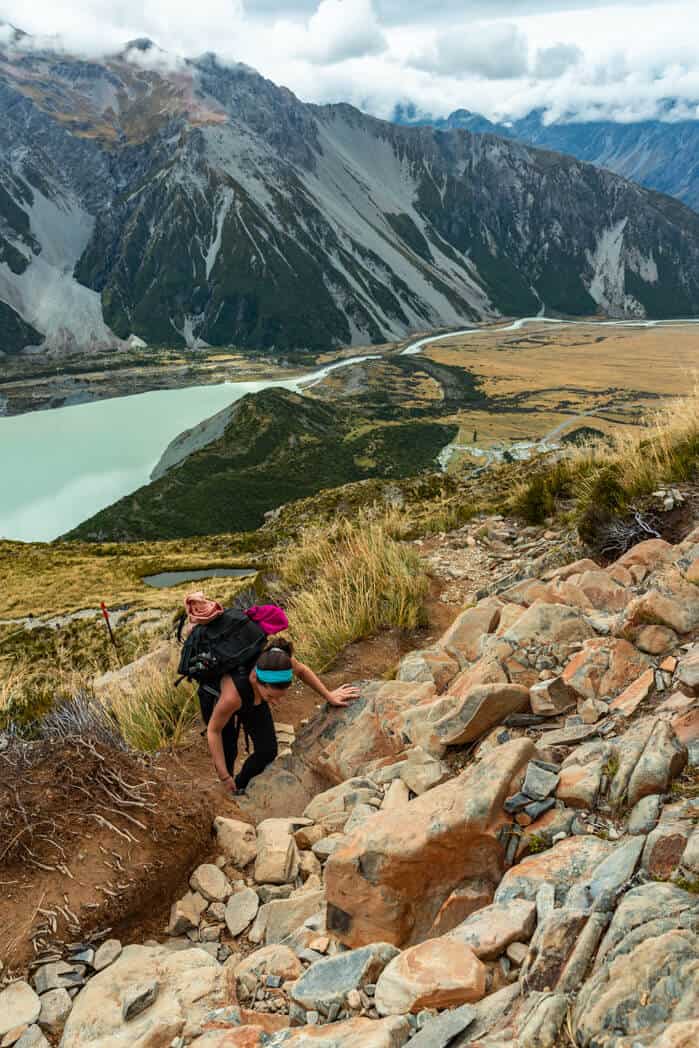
[(341, 696), (228, 703)]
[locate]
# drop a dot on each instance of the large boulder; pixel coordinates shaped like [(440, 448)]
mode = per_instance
[(452, 721), (190, 983), (640, 992), (390, 879), (340, 742), (548, 624), (439, 973), (19, 1006), (567, 863)]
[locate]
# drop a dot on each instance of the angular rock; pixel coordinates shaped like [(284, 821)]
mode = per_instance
[(551, 948), (604, 667), (241, 911), (324, 848), (656, 640), (106, 954), (392, 1032), (567, 863), (450, 722), (210, 882), (632, 697), (336, 803), (340, 742), (662, 760), (309, 865), (688, 670), (618, 868), (644, 815), (548, 624), (442, 1029), (539, 781), (276, 920), (459, 905), (490, 931), (277, 858), (55, 1009), (186, 913), (438, 973), (190, 984), (377, 886), (665, 845), (462, 639), (327, 983), (137, 999), (430, 666), (581, 775), (32, 1038), (19, 1006), (422, 771), (359, 814), (277, 960), (237, 840), (552, 697), (655, 608)]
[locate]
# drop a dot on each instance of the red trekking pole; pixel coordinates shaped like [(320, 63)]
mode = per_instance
[(105, 615)]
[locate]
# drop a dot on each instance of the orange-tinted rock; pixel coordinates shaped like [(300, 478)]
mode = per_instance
[(662, 760), (581, 775), (551, 697), (240, 1037), (529, 591), (391, 878), (340, 742), (567, 862), (621, 575), (439, 973), (452, 721), (654, 608), (463, 637), (602, 592), (576, 568), (460, 904), (686, 727), (488, 670), (632, 697), (666, 843), (548, 624), (604, 667), (429, 666), (649, 554), (655, 640), (490, 931)]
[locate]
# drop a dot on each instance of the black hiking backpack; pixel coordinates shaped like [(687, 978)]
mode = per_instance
[(230, 641)]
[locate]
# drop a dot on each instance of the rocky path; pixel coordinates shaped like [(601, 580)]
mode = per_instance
[(497, 847)]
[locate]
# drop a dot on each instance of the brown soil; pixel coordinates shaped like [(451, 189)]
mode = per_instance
[(122, 876)]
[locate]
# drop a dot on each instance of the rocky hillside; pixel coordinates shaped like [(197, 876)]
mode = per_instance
[(499, 846), (658, 154), (192, 202)]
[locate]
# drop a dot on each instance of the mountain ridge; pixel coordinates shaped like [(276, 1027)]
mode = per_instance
[(203, 205)]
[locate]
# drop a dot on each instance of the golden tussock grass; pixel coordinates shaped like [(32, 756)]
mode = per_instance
[(348, 580)]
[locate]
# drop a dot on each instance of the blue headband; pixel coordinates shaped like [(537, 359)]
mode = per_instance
[(274, 676)]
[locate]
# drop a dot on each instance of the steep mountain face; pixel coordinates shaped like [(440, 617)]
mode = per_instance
[(191, 203), (661, 155)]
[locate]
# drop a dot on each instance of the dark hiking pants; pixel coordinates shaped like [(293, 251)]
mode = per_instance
[(258, 723)]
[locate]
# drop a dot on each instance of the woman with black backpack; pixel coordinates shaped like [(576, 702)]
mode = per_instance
[(244, 701), (238, 680)]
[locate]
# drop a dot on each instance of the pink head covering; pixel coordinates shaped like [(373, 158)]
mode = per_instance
[(200, 609), (271, 618)]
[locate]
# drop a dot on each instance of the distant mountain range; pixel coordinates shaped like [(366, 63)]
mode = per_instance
[(658, 154), (192, 203)]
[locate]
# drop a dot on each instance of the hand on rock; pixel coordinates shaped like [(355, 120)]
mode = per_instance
[(343, 695)]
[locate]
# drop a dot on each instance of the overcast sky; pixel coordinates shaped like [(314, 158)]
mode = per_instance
[(584, 58)]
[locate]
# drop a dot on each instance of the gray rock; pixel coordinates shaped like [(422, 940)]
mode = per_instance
[(324, 848), (271, 892), (539, 782), (56, 976), (55, 1009), (645, 814), (137, 998), (545, 901), (330, 980), (617, 868), (241, 910), (19, 1005), (440, 1031), (32, 1038)]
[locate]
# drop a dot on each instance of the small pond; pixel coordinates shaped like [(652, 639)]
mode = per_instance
[(174, 578)]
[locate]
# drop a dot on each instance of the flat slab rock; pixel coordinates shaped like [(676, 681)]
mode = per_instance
[(329, 981), (570, 861)]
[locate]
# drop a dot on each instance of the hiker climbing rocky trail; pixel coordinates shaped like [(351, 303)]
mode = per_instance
[(498, 846)]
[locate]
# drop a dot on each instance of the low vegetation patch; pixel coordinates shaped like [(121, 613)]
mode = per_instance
[(347, 581)]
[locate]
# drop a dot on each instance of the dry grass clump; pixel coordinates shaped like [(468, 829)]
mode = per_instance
[(610, 480), (348, 580), (150, 713)]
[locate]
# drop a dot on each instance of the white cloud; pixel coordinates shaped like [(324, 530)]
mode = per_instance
[(589, 58), (495, 51)]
